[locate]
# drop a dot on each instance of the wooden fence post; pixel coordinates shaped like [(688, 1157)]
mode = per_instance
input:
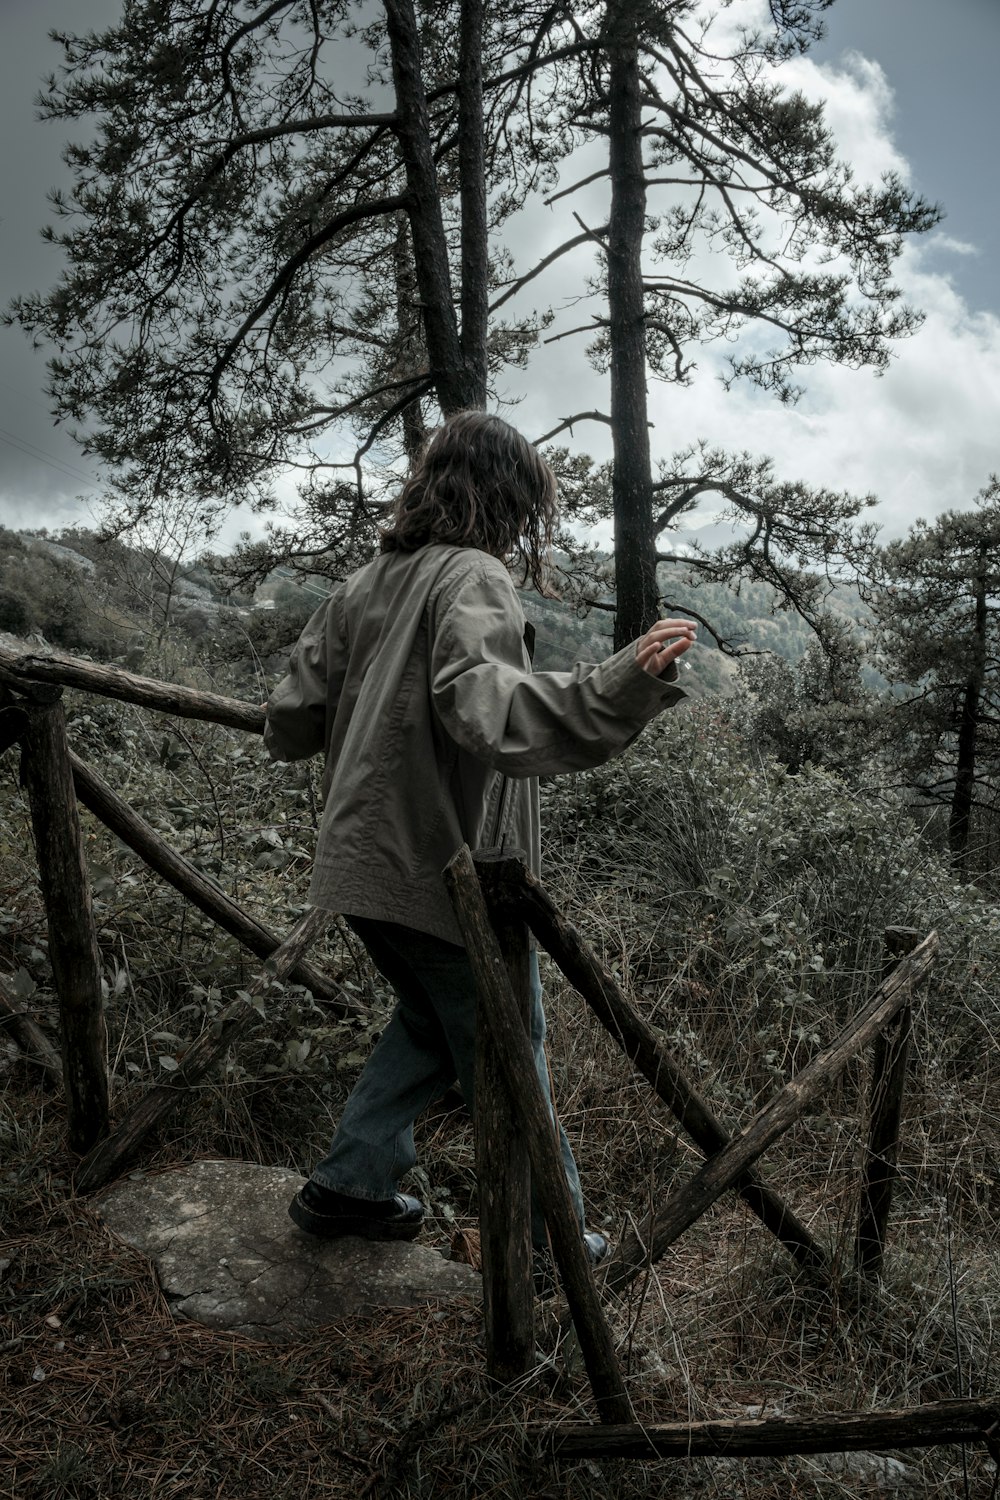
[(503, 1169), (513, 1051), (886, 1106), (73, 953)]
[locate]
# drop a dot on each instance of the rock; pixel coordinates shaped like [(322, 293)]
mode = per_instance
[(227, 1254), (871, 1469), (63, 554)]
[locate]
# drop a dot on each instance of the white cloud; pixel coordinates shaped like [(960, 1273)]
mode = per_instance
[(922, 437), (859, 105), (948, 243)]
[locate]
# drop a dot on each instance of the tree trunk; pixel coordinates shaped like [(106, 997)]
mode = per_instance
[(76, 967), (430, 247), (412, 355), (503, 1169), (632, 492), (960, 815), (472, 193)]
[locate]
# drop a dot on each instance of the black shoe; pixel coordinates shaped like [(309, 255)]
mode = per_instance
[(542, 1271), (321, 1211)]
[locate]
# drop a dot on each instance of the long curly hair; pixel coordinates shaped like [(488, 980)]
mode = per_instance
[(478, 483)]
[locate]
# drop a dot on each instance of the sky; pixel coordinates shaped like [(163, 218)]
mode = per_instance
[(908, 85)]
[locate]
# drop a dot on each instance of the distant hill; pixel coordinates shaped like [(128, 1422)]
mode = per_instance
[(78, 592)]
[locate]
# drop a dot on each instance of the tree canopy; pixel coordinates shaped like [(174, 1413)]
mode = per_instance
[(286, 247)]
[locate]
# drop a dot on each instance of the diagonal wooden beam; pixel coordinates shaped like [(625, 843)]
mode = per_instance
[(640, 1043), (95, 794), (724, 1169), (225, 1029)]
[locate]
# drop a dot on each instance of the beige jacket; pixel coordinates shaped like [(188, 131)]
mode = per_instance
[(414, 680)]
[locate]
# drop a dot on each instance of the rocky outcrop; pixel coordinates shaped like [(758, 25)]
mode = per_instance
[(227, 1254)]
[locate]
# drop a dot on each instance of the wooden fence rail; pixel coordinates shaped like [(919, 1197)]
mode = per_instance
[(925, 1426), (20, 670)]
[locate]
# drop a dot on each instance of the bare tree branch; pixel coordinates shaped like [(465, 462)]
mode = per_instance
[(515, 286), (567, 422)]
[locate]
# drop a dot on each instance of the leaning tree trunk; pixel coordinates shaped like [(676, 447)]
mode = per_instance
[(960, 815), (632, 483)]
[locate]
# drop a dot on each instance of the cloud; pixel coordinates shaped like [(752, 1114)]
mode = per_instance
[(948, 243), (920, 437), (859, 107)]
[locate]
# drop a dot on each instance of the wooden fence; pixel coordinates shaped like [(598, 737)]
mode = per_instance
[(497, 902)]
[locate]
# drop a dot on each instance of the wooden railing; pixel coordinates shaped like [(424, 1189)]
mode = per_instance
[(497, 902)]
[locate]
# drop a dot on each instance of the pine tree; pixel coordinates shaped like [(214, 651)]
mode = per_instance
[(936, 596)]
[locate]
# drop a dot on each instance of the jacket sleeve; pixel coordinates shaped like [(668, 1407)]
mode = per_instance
[(295, 727), (521, 723)]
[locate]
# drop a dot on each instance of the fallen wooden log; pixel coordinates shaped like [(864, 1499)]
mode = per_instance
[(926, 1426)]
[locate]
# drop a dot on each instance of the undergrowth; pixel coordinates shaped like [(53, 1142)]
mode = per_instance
[(743, 909)]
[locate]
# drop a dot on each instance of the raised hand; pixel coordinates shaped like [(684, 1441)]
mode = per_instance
[(663, 644)]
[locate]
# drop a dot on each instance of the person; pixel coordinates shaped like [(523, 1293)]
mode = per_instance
[(415, 682)]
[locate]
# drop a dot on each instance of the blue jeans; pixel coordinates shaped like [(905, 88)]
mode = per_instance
[(429, 1042)]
